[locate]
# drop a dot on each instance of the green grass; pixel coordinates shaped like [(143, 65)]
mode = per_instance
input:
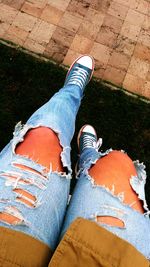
[(26, 83)]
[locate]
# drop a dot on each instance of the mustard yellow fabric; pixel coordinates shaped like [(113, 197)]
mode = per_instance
[(87, 244), (84, 244)]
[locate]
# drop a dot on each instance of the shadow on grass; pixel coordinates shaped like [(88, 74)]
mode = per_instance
[(27, 83)]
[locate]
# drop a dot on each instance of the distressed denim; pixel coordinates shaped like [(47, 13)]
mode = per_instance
[(90, 201), (51, 189)]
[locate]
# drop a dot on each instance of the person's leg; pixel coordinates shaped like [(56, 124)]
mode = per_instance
[(35, 168), (108, 192)]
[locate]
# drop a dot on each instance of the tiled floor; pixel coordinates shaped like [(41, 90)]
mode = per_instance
[(115, 32)]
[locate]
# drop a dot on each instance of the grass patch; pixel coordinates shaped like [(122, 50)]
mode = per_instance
[(26, 83)]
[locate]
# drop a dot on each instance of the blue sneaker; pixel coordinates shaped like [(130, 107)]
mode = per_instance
[(80, 72), (87, 138)]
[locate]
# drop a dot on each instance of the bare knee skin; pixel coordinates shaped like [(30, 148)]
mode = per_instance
[(116, 169), (42, 145)]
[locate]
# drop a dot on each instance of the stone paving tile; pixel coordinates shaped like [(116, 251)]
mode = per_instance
[(17, 4), (51, 14), (31, 9), (3, 28), (88, 29), (144, 37), (114, 75), (81, 44), (101, 5), (131, 31), (42, 32), (138, 68), (56, 51), (34, 46), (101, 52), (70, 57), (115, 24), (63, 36), (146, 89), (125, 45), (99, 69), (117, 10), (142, 52), (78, 8), (24, 21), (134, 84), (60, 4), (7, 14), (115, 32), (70, 22), (135, 18), (95, 17), (16, 34), (119, 60), (107, 37)]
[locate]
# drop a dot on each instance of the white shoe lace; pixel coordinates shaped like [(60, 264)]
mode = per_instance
[(78, 76), (89, 141)]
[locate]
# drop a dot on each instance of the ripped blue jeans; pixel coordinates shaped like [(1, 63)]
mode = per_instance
[(43, 220), (90, 201)]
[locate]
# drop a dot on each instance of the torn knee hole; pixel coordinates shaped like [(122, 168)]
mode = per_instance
[(11, 215), (23, 167), (25, 197), (111, 221)]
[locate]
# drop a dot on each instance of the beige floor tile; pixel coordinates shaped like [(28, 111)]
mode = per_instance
[(148, 75), (138, 68), (115, 24), (146, 23), (134, 4), (7, 14), (31, 9), (60, 4), (144, 37), (131, 31), (146, 89), (51, 14), (3, 28), (56, 51), (99, 69), (142, 52), (135, 18), (88, 29), (38, 3), (17, 4), (34, 46), (124, 2), (117, 10), (101, 52), (125, 45), (119, 61), (70, 22), (63, 36), (78, 8), (81, 44), (144, 7), (114, 75), (16, 35), (70, 57), (24, 21), (107, 37), (101, 5), (42, 32), (95, 17), (133, 84)]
